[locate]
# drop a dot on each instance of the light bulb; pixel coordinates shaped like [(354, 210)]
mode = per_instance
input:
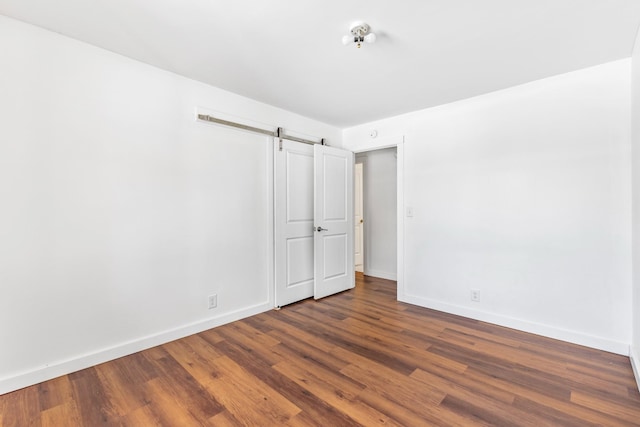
[(370, 38), (347, 39)]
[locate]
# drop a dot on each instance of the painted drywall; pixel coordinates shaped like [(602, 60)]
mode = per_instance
[(635, 142), (380, 195), (120, 213), (524, 195)]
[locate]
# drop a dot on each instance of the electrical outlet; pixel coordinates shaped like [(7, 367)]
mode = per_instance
[(475, 295), (213, 301), (409, 211)]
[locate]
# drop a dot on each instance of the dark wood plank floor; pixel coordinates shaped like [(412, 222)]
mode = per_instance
[(357, 358)]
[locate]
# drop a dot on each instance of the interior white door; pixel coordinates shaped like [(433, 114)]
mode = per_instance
[(294, 234), (358, 219), (333, 212)]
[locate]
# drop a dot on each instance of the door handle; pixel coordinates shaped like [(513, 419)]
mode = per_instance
[(322, 229)]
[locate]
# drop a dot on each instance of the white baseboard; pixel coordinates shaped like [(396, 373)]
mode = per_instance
[(47, 372), (522, 325), (634, 356), (380, 274)]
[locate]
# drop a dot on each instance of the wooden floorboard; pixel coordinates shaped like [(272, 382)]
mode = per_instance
[(356, 358)]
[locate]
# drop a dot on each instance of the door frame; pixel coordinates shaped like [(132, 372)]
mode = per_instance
[(398, 142)]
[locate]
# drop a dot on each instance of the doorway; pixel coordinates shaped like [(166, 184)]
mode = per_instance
[(379, 227)]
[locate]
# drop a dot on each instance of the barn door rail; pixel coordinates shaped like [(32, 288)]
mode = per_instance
[(279, 133)]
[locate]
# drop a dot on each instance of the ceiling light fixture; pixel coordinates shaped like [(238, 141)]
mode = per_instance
[(360, 32)]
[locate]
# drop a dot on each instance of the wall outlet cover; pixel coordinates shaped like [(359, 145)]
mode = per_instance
[(213, 301)]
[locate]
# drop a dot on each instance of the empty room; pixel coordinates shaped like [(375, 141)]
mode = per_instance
[(320, 213)]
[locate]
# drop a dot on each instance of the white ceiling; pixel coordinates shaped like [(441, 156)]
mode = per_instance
[(288, 53)]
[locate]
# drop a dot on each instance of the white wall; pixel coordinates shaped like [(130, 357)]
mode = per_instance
[(380, 195), (635, 138), (523, 194), (119, 213)]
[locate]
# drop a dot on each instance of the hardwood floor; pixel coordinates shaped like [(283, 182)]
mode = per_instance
[(357, 358)]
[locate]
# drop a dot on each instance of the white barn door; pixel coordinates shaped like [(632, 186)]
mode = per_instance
[(294, 222), (333, 217), (313, 188)]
